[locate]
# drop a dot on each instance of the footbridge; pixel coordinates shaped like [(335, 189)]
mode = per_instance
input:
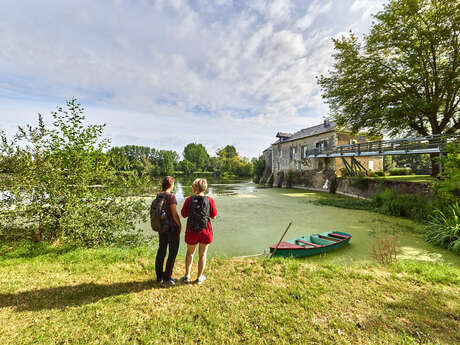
[(406, 146)]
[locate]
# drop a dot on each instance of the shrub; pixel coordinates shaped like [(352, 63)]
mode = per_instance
[(292, 177), (399, 171), (449, 183), (379, 173), (385, 250), (63, 185), (359, 182), (417, 207), (444, 228)]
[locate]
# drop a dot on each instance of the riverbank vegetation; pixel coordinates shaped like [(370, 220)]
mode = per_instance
[(58, 295), (58, 183)]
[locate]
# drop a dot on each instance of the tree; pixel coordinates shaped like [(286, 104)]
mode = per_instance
[(228, 152), (196, 153), (167, 160), (62, 184), (186, 167), (142, 159), (259, 168), (404, 77)]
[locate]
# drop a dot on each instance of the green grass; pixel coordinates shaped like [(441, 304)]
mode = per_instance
[(107, 296), (406, 178)]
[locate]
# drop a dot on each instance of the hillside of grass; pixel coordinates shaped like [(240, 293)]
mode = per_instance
[(52, 295)]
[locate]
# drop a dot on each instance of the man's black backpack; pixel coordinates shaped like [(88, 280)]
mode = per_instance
[(198, 213), (158, 214)]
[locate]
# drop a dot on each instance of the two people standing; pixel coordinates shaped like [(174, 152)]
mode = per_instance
[(198, 209)]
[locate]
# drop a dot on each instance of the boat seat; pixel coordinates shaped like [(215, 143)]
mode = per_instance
[(330, 238), (333, 234), (309, 243)]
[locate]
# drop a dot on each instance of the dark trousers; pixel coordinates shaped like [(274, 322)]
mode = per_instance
[(169, 239)]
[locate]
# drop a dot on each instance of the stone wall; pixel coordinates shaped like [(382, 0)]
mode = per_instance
[(369, 188), (356, 187)]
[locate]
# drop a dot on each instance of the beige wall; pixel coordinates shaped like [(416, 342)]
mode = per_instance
[(286, 163), (334, 139)]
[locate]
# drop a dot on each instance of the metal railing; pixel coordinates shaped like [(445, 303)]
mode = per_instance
[(419, 145)]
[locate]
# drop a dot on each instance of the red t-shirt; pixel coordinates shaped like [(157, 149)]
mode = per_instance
[(212, 211)]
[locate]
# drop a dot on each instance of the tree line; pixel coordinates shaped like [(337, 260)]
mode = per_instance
[(147, 161)]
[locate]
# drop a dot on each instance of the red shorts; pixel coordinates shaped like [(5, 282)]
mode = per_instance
[(194, 237)]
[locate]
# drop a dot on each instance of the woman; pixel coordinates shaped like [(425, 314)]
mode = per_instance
[(199, 209), (170, 238)]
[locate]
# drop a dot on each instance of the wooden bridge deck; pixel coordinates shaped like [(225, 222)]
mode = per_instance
[(407, 146)]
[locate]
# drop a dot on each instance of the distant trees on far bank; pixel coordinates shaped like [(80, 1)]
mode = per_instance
[(150, 162)]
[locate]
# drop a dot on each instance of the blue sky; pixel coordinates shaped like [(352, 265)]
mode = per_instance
[(165, 73)]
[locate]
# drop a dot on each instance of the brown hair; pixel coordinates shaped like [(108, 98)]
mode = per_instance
[(167, 182), (200, 184)]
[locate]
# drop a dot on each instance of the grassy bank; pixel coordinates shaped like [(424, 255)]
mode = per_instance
[(106, 296), (406, 178)]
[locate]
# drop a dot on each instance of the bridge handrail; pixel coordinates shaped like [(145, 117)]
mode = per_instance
[(406, 144)]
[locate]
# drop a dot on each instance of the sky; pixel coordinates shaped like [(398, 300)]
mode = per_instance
[(166, 73)]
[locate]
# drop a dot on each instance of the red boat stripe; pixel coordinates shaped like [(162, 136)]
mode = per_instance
[(333, 234)]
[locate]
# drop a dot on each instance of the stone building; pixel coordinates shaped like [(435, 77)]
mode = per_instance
[(289, 151)]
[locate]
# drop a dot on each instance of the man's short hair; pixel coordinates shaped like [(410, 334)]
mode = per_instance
[(200, 184), (167, 182)]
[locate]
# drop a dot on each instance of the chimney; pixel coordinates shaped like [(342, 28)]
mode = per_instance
[(326, 122)]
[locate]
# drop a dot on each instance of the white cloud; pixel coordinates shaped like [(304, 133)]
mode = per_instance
[(316, 8), (242, 70)]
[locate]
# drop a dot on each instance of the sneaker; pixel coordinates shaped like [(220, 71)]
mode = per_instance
[(186, 280), (174, 280), (170, 282), (200, 279)]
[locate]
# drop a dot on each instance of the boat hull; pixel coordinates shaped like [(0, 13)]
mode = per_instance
[(312, 245)]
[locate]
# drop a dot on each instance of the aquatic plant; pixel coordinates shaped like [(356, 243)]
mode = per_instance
[(385, 249), (444, 228)]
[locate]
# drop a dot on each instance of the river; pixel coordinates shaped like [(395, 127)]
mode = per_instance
[(251, 218)]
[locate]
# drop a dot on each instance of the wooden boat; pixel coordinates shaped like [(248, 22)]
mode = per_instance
[(312, 245)]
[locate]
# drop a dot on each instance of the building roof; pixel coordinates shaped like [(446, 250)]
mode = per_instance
[(283, 135), (326, 126), (268, 149)]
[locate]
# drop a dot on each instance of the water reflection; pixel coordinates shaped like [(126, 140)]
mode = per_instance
[(216, 187)]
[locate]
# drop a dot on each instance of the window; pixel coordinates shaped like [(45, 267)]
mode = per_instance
[(371, 165), (299, 165), (321, 144), (293, 152), (305, 151), (279, 168)]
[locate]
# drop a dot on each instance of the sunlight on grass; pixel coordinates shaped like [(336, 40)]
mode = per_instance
[(407, 178), (108, 296)]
